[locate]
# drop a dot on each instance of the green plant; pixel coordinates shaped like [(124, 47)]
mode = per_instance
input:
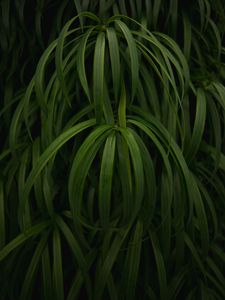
[(112, 169)]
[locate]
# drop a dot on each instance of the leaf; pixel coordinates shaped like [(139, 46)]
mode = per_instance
[(217, 285), (187, 36), (59, 61), (25, 218), (210, 203), (199, 126), (80, 166), (216, 271), (216, 130), (98, 76), (49, 153), (39, 75), (106, 266), (78, 279), (122, 108), (29, 279), (216, 36), (150, 180), (166, 216), (76, 250), (190, 182), (158, 145), (160, 266), (58, 283), (21, 238), (38, 182), (115, 59), (81, 61), (195, 254), (15, 127), (137, 170), (105, 180), (177, 283), (131, 272), (125, 177), (46, 274), (155, 12), (133, 55)]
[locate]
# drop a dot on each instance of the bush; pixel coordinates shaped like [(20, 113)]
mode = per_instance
[(112, 154)]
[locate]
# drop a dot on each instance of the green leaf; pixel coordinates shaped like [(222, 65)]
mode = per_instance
[(133, 55), (122, 108), (216, 270), (40, 75), (25, 219), (98, 76), (150, 180), (38, 182), (162, 278), (115, 59), (76, 250), (15, 126), (105, 180), (80, 166), (187, 36), (49, 153), (23, 237), (29, 279), (137, 169), (78, 279), (125, 176), (106, 266), (194, 252), (166, 215), (199, 126), (157, 143), (81, 62), (133, 261), (177, 283), (46, 274), (58, 283)]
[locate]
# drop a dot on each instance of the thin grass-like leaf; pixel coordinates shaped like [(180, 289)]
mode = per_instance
[(199, 125), (57, 267), (76, 250), (162, 280), (122, 108), (115, 59), (125, 176), (98, 76), (195, 254), (81, 61), (21, 238), (81, 165), (150, 183), (106, 267), (133, 261), (133, 55), (105, 180), (187, 36), (49, 153), (46, 274), (29, 279), (137, 169)]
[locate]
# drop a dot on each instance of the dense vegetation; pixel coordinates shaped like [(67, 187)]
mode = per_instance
[(112, 155)]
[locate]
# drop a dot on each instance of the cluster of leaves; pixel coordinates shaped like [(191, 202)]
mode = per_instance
[(112, 155)]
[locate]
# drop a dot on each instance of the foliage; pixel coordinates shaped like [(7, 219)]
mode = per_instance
[(112, 155)]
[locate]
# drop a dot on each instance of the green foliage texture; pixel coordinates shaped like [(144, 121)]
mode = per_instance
[(112, 154)]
